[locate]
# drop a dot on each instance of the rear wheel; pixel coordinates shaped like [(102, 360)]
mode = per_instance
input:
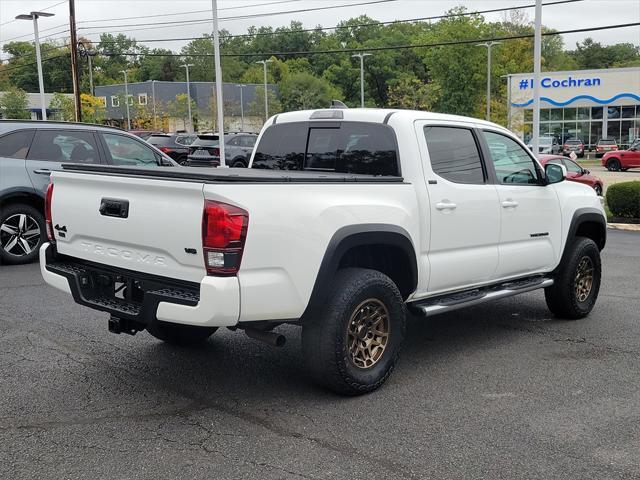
[(176, 334), (183, 161), (576, 287), (613, 165), (238, 163), (22, 231), (351, 346)]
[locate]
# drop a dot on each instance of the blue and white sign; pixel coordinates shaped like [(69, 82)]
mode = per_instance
[(569, 82)]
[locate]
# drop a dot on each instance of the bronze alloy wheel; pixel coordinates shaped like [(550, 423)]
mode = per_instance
[(368, 333), (584, 279)]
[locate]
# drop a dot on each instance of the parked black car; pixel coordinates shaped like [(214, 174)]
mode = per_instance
[(30, 150), (205, 151), (176, 145)]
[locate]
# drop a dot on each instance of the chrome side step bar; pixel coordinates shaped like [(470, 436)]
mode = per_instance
[(450, 302)]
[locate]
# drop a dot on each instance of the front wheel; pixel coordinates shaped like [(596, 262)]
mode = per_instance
[(238, 164), (177, 334), (352, 344), (577, 283), (22, 232), (613, 165)]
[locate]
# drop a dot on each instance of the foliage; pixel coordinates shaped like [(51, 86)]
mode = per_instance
[(623, 199), (179, 108), (411, 93), (93, 109), (14, 103), (256, 108), (65, 105), (302, 91), (591, 54)]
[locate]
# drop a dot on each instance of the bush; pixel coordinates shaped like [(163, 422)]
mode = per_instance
[(623, 199)]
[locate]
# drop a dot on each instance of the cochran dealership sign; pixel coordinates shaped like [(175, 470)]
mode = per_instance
[(615, 86), (548, 82)]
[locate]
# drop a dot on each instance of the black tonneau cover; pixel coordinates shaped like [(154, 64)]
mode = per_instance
[(226, 175)]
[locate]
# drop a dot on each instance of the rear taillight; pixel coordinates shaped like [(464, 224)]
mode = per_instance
[(165, 149), (47, 213), (215, 152), (565, 146), (224, 231)]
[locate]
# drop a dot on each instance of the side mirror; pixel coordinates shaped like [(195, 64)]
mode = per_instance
[(585, 171), (555, 173)]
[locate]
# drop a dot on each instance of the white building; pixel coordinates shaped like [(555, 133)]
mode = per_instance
[(587, 104)]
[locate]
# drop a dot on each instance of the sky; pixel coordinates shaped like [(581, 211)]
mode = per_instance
[(114, 15)]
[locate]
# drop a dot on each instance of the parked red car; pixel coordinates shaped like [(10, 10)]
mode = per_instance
[(575, 172), (623, 159)]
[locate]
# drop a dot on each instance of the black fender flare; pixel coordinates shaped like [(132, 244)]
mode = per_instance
[(580, 217), (354, 236)]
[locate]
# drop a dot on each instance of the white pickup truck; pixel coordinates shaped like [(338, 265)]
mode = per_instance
[(347, 220)]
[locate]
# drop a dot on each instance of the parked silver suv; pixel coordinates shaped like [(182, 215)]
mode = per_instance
[(30, 150)]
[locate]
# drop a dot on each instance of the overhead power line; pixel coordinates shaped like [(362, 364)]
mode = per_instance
[(186, 13), (359, 25), (377, 49), (236, 17)]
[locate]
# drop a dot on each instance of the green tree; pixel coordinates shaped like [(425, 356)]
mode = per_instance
[(411, 93), (14, 104), (256, 108), (178, 108), (65, 105), (301, 91)]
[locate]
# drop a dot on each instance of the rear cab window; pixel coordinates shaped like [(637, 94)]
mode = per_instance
[(454, 154), (342, 147)]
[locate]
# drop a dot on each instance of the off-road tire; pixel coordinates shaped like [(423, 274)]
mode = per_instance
[(562, 297), (324, 334), (176, 334), (598, 189), (9, 211)]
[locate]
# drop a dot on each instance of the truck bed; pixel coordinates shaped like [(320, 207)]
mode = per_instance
[(229, 175)]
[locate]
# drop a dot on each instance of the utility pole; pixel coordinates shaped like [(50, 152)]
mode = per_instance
[(488, 45), (266, 96), (537, 53), (241, 87), (153, 96), (74, 60), (186, 67), (361, 57), (34, 16), (126, 98), (218, 70)]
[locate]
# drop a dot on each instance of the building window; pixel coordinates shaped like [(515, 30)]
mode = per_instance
[(142, 99), (115, 101), (103, 101), (130, 100)]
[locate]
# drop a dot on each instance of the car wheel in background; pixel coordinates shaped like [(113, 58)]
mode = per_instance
[(238, 164), (22, 231), (613, 165), (184, 161)]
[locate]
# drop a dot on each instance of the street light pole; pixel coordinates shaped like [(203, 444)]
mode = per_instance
[(218, 70), (266, 97), (126, 98), (361, 57), (34, 16), (241, 87), (186, 67), (488, 45), (537, 54)]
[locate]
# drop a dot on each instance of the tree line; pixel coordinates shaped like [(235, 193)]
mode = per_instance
[(447, 78)]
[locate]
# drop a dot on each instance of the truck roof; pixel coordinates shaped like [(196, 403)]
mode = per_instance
[(374, 115)]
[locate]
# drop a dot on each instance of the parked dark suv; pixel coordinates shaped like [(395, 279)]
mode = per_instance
[(205, 151), (29, 150), (176, 145)]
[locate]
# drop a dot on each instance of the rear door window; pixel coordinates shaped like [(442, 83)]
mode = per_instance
[(454, 154), (16, 144), (125, 150), (64, 146), (345, 147)]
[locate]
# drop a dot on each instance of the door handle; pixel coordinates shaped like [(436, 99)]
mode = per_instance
[(42, 171), (446, 206), (509, 204)]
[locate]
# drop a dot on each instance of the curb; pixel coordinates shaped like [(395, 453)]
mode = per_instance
[(629, 227)]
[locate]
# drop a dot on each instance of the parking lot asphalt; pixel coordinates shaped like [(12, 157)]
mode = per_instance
[(609, 178), (500, 391)]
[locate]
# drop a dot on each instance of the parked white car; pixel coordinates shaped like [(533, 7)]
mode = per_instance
[(345, 220)]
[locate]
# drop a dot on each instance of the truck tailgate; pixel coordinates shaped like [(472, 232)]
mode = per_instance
[(142, 224)]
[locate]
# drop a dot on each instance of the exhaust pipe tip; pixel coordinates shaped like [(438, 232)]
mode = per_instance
[(270, 338)]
